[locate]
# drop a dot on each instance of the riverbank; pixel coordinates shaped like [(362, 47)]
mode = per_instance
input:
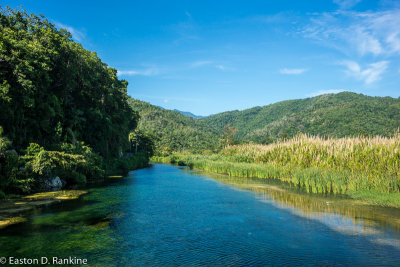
[(366, 169), (14, 208), (166, 215), (306, 179), (310, 205)]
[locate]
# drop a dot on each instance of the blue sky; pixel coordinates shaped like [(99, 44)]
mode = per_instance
[(212, 56)]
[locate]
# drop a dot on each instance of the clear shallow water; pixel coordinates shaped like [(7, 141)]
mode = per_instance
[(164, 216)]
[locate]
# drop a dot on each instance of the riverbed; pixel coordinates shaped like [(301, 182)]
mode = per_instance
[(166, 216)]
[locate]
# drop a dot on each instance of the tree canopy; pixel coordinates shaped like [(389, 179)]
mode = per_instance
[(53, 90), (64, 112), (173, 131)]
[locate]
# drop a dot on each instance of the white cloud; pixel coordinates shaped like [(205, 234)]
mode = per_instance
[(394, 41), (292, 71), (200, 63), (346, 4), (369, 74), (145, 72), (76, 34), (324, 92), (221, 67), (165, 100), (376, 33)]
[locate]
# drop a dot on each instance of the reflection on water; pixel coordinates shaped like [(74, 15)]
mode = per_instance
[(340, 213), (168, 216)]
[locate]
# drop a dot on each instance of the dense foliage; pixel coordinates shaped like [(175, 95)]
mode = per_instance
[(63, 111), (172, 131), (189, 114), (333, 115), (52, 90)]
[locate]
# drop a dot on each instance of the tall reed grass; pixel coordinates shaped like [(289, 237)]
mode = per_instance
[(316, 164)]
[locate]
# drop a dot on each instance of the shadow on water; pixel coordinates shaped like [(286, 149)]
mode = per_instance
[(167, 216)]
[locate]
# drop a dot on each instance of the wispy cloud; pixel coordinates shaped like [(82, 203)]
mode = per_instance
[(200, 63), (221, 67), (143, 72), (278, 18), (346, 4), (324, 92), (369, 74), (292, 71), (187, 30), (376, 33), (76, 34)]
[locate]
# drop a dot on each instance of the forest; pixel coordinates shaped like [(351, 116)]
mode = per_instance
[(330, 115), (64, 112), (172, 131), (339, 115)]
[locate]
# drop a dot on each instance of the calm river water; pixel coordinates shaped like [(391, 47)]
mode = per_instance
[(167, 216)]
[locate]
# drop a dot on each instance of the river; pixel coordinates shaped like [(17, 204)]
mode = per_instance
[(167, 216)]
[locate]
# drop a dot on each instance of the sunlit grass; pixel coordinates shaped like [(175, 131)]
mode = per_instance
[(339, 166)]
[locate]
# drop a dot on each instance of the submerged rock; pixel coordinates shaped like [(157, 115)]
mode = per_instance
[(13, 211)]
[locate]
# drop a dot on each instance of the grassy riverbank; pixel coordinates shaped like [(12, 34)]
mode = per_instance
[(363, 168)]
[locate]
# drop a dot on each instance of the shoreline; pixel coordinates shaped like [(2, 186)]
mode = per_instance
[(369, 197)]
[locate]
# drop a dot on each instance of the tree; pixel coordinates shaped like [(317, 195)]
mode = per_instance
[(229, 135), (53, 90)]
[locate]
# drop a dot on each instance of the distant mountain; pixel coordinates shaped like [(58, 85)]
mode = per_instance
[(189, 114), (335, 115), (173, 131)]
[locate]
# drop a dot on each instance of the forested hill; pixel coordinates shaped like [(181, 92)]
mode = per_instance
[(64, 114), (336, 115), (173, 131), (189, 114)]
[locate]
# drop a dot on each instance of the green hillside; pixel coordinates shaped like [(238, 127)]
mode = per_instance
[(63, 112), (173, 131), (189, 114), (336, 115)]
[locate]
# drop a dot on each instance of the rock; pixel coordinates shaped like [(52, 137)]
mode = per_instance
[(54, 184)]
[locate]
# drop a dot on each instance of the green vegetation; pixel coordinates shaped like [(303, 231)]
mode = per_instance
[(63, 113), (363, 163), (350, 166), (332, 115), (171, 131), (189, 114)]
